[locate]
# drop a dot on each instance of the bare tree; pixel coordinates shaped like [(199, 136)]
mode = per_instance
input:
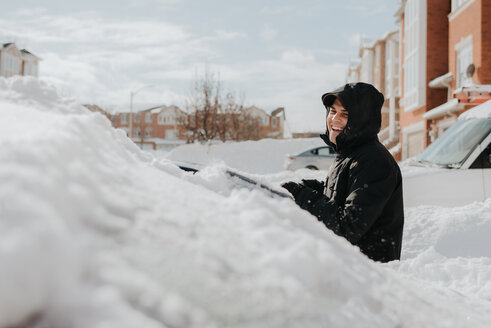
[(213, 115)]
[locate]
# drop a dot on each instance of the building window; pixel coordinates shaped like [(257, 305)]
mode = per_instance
[(464, 59), (456, 4), (273, 121), (171, 134), (137, 132), (148, 132), (148, 117), (414, 54), (137, 118), (124, 118)]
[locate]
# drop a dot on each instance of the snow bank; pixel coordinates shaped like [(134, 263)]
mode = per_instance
[(263, 156), (96, 233)]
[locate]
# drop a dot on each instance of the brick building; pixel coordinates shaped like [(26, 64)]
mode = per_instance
[(378, 64), (156, 127), (445, 57), (17, 62), (270, 125), (165, 126)]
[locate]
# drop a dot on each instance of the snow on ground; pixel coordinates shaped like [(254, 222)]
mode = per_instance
[(263, 156), (96, 233)]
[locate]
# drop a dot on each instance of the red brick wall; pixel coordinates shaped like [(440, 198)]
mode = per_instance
[(436, 49), (484, 74), (379, 68), (436, 61), (464, 24)]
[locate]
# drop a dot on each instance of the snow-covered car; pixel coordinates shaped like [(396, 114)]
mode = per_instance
[(237, 180), (319, 158), (456, 169)]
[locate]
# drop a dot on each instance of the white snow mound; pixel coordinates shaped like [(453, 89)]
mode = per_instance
[(95, 233)]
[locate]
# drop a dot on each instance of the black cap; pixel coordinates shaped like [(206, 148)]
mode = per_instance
[(352, 94)]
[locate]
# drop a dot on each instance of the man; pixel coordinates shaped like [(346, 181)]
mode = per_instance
[(362, 197)]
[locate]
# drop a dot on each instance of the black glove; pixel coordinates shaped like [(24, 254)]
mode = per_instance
[(314, 184), (293, 187)]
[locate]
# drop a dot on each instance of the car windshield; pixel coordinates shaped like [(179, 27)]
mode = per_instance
[(456, 144)]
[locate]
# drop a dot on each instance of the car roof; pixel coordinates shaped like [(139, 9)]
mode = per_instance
[(310, 149), (480, 111)]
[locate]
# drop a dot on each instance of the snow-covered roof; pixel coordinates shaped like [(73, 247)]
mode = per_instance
[(255, 111), (450, 106), (474, 88), (29, 55), (480, 111), (442, 81), (389, 34)]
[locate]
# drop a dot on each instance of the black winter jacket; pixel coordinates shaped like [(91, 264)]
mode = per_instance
[(362, 199)]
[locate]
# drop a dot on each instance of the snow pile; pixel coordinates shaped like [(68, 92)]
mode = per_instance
[(95, 233), (29, 92), (449, 247), (263, 156)]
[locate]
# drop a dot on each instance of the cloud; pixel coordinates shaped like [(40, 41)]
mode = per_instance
[(94, 54), (91, 28), (281, 10), (369, 7), (100, 60), (229, 35), (162, 4), (297, 57), (355, 39), (268, 33)]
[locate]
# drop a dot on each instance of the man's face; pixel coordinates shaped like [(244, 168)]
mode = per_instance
[(337, 118)]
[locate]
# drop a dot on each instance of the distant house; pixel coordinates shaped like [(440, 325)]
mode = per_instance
[(270, 125), (156, 127), (17, 62)]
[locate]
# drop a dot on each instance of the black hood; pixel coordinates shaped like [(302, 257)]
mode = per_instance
[(364, 105)]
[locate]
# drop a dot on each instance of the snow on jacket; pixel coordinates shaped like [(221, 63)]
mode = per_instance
[(362, 199)]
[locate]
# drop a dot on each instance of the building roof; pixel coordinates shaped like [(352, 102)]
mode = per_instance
[(453, 105), (278, 111), (389, 34), (29, 54), (255, 109), (161, 108), (474, 88), (443, 81)]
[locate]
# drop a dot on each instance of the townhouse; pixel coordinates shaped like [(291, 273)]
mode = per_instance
[(445, 56), (17, 62), (270, 125), (156, 127), (167, 126), (377, 63)]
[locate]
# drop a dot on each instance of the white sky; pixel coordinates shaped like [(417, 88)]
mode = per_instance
[(275, 53)]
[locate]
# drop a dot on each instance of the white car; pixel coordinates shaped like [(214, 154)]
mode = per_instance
[(319, 158), (456, 169)]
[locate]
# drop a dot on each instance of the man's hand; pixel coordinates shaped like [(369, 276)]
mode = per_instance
[(293, 187), (314, 184)]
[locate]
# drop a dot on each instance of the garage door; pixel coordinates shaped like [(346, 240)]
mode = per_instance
[(415, 143)]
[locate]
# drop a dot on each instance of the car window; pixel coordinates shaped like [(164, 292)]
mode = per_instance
[(484, 159), (456, 144), (325, 151)]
